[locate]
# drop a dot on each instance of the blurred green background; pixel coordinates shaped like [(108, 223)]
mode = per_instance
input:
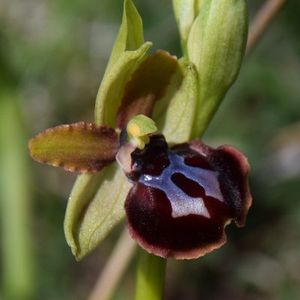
[(52, 58)]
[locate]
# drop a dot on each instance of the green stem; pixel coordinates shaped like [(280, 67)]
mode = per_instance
[(15, 195), (206, 113), (150, 277)]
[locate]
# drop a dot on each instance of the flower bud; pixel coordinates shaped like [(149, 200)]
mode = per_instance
[(216, 46), (185, 13)]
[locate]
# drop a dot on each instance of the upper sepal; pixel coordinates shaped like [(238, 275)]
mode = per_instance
[(78, 147), (130, 35), (128, 52)]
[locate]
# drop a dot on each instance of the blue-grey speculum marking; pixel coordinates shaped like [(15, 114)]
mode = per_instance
[(181, 203)]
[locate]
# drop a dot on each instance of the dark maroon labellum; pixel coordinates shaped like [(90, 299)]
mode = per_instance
[(183, 197)]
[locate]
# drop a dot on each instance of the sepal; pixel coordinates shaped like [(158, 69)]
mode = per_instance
[(95, 207)]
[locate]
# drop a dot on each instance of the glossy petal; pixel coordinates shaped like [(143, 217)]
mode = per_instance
[(151, 224), (78, 147), (233, 168), (183, 198), (148, 84)]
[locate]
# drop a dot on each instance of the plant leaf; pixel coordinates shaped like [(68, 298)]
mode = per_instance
[(176, 123), (147, 85), (18, 258), (92, 211), (216, 46), (82, 147), (113, 85)]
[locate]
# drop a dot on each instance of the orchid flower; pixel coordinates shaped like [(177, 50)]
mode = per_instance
[(151, 110)]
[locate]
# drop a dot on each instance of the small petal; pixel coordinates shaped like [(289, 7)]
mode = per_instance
[(78, 147)]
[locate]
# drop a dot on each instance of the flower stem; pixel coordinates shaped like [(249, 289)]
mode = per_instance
[(114, 268), (261, 21), (15, 201), (150, 277)]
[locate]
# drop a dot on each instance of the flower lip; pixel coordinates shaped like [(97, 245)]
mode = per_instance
[(153, 227), (152, 159), (233, 168), (181, 210)]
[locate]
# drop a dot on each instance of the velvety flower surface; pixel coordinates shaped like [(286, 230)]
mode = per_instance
[(183, 197)]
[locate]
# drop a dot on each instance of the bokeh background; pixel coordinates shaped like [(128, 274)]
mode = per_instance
[(52, 58)]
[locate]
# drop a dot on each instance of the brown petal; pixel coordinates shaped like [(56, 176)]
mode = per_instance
[(148, 84), (79, 147)]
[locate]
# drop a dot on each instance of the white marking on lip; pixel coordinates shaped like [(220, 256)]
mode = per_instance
[(147, 177)]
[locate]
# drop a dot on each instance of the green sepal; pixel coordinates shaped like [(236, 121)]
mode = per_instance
[(128, 52), (95, 207), (216, 46), (130, 35), (113, 85), (176, 123)]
